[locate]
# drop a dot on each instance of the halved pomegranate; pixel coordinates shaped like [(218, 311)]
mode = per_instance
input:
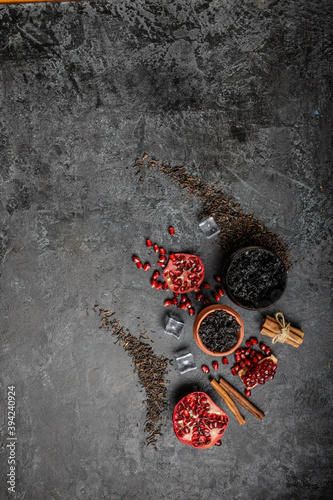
[(259, 373), (184, 272), (198, 421)]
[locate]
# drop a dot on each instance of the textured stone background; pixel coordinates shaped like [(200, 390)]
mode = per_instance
[(240, 93)]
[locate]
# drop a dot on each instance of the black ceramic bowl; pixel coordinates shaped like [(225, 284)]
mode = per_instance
[(254, 278)]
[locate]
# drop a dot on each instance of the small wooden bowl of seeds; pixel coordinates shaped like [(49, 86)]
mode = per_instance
[(218, 330)]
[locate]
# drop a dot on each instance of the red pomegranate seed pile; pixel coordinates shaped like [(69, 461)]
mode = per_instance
[(180, 298), (265, 372), (254, 367)]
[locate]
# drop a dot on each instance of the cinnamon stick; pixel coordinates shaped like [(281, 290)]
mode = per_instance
[(227, 399), (269, 333), (241, 399)]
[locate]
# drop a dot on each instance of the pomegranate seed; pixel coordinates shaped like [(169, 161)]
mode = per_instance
[(171, 230), (191, 311), (205, 369), (162, 257), (255, 359), (236, 367), (182, 306), (183, 299), (165, 286), (167, 303), (220, 292), (199, 297), (174, 301), (233, 371), (206, 285), (225, 361), (162, 251), (156, 249), (248, 362), (262, 346), (268, 351), (135, 259), (139, 265), (215, 365), (153, 283), (161, 263), (158, 285), (218, 443), (206, 302), (156, 274), (149, 243), (248, 343), (216, 296), (218, 278), (147, 266), (254, 340), (173, 257), (247, 392), (176, 294)]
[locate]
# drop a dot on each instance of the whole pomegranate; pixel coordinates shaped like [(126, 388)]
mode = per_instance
[(198, 421), (184, 272)]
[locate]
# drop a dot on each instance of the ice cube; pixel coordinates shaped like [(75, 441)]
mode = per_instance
[(174, 327), (186, 363), (209, 227)]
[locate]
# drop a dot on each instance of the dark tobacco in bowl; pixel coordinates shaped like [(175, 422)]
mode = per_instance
[(218, 331), (256, 278)]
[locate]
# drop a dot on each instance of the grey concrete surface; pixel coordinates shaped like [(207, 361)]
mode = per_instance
[(241, 94)]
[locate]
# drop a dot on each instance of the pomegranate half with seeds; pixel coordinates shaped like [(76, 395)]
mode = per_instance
[(198, 421), (184, 272), (260, 373)]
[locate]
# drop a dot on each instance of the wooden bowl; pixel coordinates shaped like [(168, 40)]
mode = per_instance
[(209, 310)]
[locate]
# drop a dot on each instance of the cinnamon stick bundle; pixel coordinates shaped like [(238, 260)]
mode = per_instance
[(227, 399), (279, 331)]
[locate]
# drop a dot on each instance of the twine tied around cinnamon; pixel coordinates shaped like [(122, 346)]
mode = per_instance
[(285, 329)]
